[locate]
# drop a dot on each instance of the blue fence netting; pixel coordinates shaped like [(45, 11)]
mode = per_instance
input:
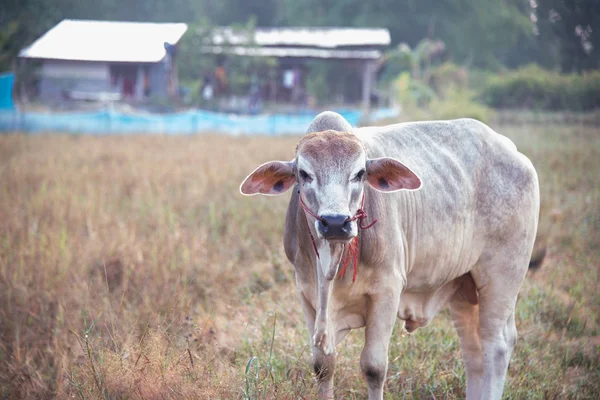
[(188, 122), (6, 87)]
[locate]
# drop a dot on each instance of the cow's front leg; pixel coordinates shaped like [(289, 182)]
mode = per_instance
[(381, 317), (323, 338), (323, 364), (324, 335), (324, 367)]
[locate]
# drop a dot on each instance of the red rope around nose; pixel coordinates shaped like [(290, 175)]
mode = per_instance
[(360, 215), (353, 248)]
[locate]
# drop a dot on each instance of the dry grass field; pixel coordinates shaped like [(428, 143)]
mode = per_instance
[(131, 268)]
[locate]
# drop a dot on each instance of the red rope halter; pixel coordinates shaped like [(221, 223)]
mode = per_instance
[(353, 247)]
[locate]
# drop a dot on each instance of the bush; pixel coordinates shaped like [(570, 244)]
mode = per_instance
[(535, 88), (421, 102), (460, 104), (411, 92), (588, 86), (447, 75)]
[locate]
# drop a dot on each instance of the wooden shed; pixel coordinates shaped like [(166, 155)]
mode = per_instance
[(107, 60), (359, 47)]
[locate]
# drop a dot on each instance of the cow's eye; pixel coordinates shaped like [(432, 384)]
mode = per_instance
[(305, 177), (359, 176)]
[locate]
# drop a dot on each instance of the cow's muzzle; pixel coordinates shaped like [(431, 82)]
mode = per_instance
[(335, 227)]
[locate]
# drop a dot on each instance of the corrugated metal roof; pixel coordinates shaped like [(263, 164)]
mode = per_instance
[(294, 52), (312, 37), (107, 41)]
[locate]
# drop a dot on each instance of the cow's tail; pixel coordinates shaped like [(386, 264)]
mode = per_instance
[(548, 221), (537, 257)]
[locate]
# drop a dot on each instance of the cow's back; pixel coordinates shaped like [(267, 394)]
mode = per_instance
[(475, 188)]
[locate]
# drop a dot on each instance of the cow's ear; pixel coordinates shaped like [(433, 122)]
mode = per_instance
[(390, 175), (272, 178)]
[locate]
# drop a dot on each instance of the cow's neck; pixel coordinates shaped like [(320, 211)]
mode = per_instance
[(372, 249)]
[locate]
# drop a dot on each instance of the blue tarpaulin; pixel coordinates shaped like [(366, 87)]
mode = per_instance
[(188, 122), (6, 87)]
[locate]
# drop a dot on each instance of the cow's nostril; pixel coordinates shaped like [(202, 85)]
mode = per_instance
[(323, 226), (347, 227)]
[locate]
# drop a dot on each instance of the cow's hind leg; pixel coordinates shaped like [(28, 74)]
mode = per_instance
[(498, 281), (510, 333), (465, 315)]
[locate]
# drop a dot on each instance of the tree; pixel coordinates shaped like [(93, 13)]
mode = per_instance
[(484, 33), (573, 27), (475, 31)]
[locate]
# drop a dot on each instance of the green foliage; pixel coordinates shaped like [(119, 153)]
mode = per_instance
[(327, 81), (445, 97), (487, 34), (535, 88), (33, 18), (411, 92), (241, 70), (567, 35), (195, 65), (316, 82), (252, 379), (460, 104), (480, 31), (484, 34), (397, 60), (418, 60), (447, 75), (192, 63), (6, 35)]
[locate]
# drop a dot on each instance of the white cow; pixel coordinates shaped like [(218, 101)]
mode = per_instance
[(457, 212)]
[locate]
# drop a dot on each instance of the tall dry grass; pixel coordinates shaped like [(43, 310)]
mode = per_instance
[(130, 267)]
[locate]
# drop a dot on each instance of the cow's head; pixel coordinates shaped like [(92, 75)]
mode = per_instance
[(331, 169)]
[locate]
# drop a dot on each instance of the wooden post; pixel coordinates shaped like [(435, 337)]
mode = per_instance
[(139, 83), (367, 83)]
